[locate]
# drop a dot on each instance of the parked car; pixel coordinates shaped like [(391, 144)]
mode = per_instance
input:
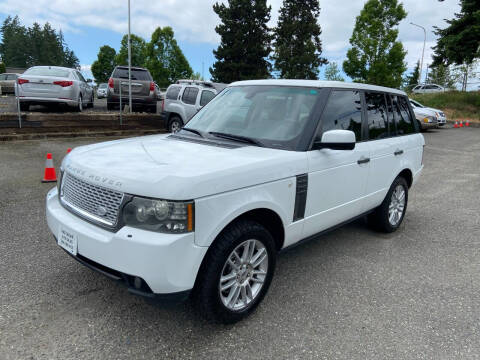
[(7, 82), (41, 85), (426, 119), (143, 89), (102, 91), (184, 99), (440, 115), (428, 88), (267, 164)]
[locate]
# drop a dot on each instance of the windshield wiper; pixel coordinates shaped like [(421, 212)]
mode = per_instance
[(197, 132), (239, 138)]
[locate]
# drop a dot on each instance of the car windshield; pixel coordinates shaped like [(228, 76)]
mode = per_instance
[(274, 116), (417, 104), (103, 86), (46, 71)]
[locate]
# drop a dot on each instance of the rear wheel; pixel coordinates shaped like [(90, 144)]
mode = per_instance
[(110, 106), (236, 272), (175, 124), (90, 103), (24, 106), (389, 215), (79, 107)]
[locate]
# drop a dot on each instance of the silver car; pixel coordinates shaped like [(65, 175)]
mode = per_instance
[(102, 90), (442, 118), (41, 85)]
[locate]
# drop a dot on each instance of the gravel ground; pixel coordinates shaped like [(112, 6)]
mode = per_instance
[(350, 294)]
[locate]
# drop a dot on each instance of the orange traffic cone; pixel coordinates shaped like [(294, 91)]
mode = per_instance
[(50, 175), (461, 123), (456, 124), (467, 123)]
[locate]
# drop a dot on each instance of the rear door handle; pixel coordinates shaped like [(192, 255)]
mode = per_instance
[(363, 160), (398, 152)]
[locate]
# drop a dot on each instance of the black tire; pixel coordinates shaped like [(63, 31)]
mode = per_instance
[(110, 106), (90, 104), (206, 294), (379, 219), (24, 106), (175, 124)]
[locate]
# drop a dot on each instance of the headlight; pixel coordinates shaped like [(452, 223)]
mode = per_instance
[(163, 216)]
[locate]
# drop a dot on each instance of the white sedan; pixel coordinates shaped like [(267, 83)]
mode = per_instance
[(41, 85), (441, 117), (427, 89)]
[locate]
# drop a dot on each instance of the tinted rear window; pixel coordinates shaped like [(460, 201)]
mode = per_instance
[(403, 118), (45, 71), (142, 75), (172, 92), (343, 112), (377, 116)]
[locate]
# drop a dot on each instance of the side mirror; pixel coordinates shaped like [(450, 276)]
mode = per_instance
[(89, 81), (336, 140)]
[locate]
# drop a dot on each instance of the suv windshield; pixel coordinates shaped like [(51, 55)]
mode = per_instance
[(274, 116), (137, 74)]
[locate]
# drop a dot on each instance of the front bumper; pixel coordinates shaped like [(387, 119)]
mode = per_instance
[(167, 264), (430, 125)]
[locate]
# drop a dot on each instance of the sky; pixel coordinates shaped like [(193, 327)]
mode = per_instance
[(89, 24)]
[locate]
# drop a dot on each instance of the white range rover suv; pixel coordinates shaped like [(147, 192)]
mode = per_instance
[(264, 165)]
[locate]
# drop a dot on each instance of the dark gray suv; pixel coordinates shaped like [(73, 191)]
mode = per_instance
[(144, 96)]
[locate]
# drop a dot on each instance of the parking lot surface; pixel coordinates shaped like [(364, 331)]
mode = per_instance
[(350, 294)]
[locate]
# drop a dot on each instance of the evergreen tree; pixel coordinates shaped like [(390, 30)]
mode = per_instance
[(376, 57), (3, 68), (332, 72), (298, 48), (24, 47), (414, 79), (459, 42), (138, 47), (102, 68), (245, 41), (165, 59)]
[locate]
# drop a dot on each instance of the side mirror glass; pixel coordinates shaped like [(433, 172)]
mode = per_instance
[(336, 140)]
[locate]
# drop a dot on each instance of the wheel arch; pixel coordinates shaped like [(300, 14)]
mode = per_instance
[(407, 174)]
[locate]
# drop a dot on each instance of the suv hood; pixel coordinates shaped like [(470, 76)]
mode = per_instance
[(161, 167)]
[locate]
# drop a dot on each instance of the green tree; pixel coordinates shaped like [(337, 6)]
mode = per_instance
[(443, 76), (103, 67), (376, 57), (459, 42), (245, 41), (414, 78), (297, 44), (24, 47), (138, 49), (165, 59), (3, 68), (14, 45), (332, 72), (197, 76)]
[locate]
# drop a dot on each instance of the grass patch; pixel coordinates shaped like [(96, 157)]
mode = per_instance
[(456, 104)]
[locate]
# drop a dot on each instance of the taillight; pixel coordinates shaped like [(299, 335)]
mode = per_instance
[(21, 81), (63, 83), (110, 83), (152, 86)]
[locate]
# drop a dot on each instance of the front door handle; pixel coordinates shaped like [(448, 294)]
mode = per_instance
[(363, 160), (398, 152)]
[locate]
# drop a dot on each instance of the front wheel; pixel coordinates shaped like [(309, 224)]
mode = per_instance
[(175, 124), (79, 107), (236, 273), (389, 215)]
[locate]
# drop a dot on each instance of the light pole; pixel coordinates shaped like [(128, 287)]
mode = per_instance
[(129, 64), (423, 51)]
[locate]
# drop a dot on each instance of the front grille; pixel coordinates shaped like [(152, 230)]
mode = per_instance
[(90, 201)]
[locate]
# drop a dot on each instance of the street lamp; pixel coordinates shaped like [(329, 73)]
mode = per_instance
[(423, 52), (129, 64)]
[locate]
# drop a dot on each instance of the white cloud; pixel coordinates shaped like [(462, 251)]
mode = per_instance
[(194, 21)]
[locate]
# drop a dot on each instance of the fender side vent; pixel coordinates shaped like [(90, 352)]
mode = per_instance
[(300, 197)]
